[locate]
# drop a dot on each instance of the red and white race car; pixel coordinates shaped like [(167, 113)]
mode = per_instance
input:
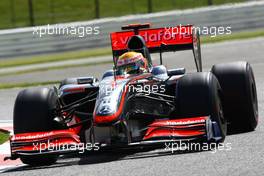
[(143, 108)]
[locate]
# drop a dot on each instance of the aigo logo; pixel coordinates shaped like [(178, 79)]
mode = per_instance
[(32, 136)]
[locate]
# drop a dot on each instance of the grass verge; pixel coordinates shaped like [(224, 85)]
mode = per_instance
[(53, 68), (234, 36), (55, 57), (27, 84), (15, 13), (3, 137)]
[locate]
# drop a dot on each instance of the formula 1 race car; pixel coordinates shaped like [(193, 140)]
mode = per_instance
[(136, 108)]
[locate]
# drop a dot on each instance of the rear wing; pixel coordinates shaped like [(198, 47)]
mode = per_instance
[(160, 40)]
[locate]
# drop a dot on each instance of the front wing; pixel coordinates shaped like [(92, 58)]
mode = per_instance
[(160, 131)]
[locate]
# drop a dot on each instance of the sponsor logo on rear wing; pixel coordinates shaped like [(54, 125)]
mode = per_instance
[(165, 39), (154, 38)]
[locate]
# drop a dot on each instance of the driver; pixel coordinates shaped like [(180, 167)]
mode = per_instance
[(132, 63)]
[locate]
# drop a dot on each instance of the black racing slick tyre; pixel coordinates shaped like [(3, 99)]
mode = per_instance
[(240, 102), (199, 94), (34, 112)]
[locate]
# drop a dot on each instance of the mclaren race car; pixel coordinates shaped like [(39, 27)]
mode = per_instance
[(135, 108)]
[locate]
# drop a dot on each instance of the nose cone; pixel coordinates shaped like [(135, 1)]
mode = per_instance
[(110, 101)]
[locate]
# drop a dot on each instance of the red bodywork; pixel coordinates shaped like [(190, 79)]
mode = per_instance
[(42, 141), (179, 35), (178, 128), (115, 116)]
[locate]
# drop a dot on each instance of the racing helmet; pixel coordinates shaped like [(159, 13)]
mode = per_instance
[(132, 63)]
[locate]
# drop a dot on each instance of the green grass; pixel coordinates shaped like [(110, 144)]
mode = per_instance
[(15, 13), (55, 57), (3, 137), (235, 36), (53, 68), (27, 84)]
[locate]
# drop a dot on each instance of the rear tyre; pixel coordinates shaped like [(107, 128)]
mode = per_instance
[(199, 94), (68, 81), (34, 112), (240, 102)]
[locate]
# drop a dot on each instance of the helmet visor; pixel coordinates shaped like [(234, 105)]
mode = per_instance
[(132, 68)]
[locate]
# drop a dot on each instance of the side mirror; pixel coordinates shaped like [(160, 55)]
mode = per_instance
[(176, 71), (108, 73), (159, 70), (86, 80)]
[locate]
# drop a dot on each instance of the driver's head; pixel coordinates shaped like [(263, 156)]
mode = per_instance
[(132, 63)]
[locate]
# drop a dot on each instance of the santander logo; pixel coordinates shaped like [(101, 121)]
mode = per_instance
[(25, 137), (185, 122)]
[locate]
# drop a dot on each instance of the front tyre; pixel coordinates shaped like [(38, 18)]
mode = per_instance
[(34, 112), (199, 94), (239, 95)]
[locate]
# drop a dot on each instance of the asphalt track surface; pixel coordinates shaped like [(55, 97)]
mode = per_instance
[(244, 158)]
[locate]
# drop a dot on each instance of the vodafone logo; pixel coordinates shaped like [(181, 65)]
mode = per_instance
[(154, 37), (160, 36)]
